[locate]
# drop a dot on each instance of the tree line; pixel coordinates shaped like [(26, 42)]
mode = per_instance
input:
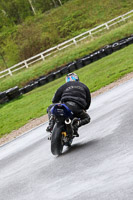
[(16, 39), (14, 12)]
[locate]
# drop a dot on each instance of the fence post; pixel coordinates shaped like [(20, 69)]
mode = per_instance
[(123, 19), (107, 26), (90, 34), (74, 41), (26, 65), (42, 56), (10, 72), (58, 48)]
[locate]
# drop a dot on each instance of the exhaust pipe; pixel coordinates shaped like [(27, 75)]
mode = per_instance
[(69, 128), (68, 121)]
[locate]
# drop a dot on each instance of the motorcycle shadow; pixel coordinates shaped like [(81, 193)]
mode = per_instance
[(79, 146)]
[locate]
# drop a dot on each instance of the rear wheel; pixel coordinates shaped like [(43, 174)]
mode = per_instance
[(56, 140)]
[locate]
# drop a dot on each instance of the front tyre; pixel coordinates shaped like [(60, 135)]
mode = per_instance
[(56, 140)]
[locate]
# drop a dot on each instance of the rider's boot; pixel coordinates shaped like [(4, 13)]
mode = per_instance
[(49, 137), (79, 122), (76, 132), (50, 126), (75, 124)]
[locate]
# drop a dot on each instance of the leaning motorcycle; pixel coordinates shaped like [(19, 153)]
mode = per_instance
[(63, 131)]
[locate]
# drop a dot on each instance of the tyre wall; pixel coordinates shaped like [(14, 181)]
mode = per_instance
[(15, 92)]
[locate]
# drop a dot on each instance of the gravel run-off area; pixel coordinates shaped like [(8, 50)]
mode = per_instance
[(36, 122)]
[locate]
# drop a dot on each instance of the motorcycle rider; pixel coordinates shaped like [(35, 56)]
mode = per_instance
[(76, 96)]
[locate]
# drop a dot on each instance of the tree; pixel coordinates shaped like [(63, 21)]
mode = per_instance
[(16, 10), (32, 7), (43, 6), (60, 2), (3, 59)]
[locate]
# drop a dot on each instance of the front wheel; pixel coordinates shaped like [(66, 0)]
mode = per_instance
[(56, 140)]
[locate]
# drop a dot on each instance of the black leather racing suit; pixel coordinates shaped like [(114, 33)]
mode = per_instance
[(76, 96)]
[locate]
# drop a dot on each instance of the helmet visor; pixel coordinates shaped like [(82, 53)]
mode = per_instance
[(72, 77)]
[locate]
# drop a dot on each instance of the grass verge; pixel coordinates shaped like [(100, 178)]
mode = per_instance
[(96, 75)]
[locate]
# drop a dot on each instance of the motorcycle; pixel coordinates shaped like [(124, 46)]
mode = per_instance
[(63, 130)]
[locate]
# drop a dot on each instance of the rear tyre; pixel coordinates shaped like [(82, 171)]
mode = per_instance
[(56, 140)]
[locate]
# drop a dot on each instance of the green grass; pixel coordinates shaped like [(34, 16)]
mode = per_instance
[(46, 30), (66, 56), (34, 104)]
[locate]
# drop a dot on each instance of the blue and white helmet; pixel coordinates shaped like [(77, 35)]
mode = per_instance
[(72, 77)]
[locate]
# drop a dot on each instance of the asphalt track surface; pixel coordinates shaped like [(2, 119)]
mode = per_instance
[(98, 166)]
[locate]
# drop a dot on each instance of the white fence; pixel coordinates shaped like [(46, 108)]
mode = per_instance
[(43, 55)]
